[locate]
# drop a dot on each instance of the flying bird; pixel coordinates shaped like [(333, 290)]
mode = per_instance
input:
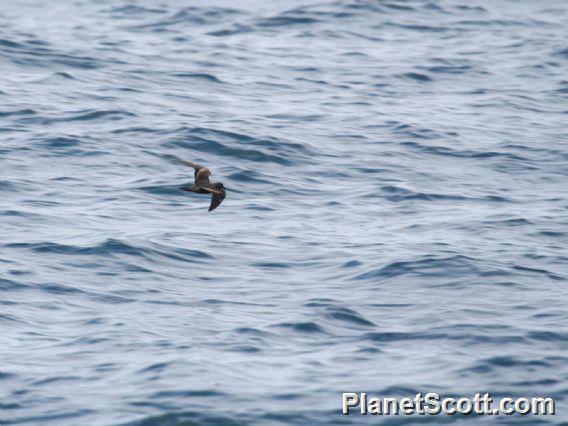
[(202, 185)]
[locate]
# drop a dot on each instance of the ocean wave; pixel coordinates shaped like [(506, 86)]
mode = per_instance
[(397, 194), (30, 54), (429, 266), (114, 247), (191, 15), (200, 76), (238, 145)]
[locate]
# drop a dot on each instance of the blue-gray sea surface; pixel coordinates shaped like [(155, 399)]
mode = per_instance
[(396, 219)]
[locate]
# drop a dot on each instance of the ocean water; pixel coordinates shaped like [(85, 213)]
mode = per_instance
[(396, 218)]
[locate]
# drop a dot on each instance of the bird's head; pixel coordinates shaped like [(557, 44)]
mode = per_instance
[(219, 185)]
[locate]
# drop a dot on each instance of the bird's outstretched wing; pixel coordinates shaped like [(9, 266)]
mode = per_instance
[(196, 167), (217, 197), (202, 177), (201, 173)]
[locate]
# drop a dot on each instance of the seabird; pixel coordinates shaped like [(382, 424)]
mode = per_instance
[(202, 185)]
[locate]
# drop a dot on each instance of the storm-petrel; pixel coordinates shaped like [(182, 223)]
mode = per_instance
[(202, 185)]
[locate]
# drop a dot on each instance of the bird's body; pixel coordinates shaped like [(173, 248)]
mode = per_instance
[(203, 185)]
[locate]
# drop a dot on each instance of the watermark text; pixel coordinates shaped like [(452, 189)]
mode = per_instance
[(432, 404)]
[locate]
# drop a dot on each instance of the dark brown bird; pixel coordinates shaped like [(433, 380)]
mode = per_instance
[(202, 185)]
